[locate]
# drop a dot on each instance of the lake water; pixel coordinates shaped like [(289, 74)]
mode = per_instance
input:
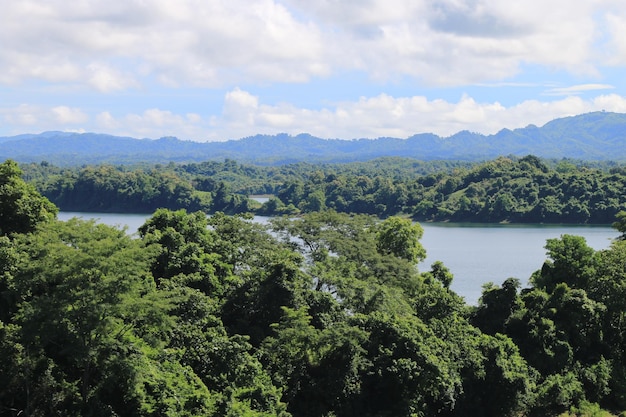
[(474, 253), (481, 253), (131, 221)]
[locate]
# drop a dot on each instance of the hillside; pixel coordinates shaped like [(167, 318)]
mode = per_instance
[(317, 315), (591, 136)]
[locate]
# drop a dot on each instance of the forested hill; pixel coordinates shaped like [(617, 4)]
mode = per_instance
[(518, 190), (318, 315), (591, 136)]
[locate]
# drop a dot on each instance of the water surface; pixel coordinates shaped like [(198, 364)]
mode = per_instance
[(474, 253), (481, 253)]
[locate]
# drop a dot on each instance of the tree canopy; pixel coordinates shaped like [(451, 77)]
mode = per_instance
[(321, 314), (21, 206), (516, 190)]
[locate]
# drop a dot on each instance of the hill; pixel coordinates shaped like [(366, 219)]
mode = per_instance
[(591, 136)]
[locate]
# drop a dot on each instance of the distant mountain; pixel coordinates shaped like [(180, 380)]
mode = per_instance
[(591, 136)]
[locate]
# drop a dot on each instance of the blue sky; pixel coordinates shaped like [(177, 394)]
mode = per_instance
[(210, 70)]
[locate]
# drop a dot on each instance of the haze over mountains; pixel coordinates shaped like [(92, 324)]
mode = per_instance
[(590, 136)]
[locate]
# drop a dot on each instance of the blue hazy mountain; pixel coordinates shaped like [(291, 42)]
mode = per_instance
[(591, 136)]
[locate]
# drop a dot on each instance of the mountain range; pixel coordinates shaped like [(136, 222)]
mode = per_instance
[(590, 136)]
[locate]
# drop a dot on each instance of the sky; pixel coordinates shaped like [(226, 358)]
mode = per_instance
[(214, 70)]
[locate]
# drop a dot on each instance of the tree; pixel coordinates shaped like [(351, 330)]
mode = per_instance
[(184, 242), (620, 224), (571, 262), (409, 373), (21, 206), (320, 369), (441, 273), (497, 380), (400, 237), (496, 306), (91, 329)]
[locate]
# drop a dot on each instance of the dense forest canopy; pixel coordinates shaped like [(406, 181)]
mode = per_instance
[(323, 314), (507, 189)]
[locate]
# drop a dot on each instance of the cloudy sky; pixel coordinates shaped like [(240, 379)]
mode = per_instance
[(210, 70)]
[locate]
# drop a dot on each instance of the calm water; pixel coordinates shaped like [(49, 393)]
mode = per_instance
[(131, 221), (475, 254)]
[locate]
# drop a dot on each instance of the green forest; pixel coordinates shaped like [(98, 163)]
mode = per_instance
[(317, 315), (507, 190)]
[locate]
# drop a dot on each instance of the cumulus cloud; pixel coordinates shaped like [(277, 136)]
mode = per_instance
[(153, 123), (188, 42), (384, 115), (110, 45), (452, 42), (106, 79), (617, 40), (65, 115), (130, 52), (245, 114), (106, 122), (36, 118), (369, 117), (23, 116)]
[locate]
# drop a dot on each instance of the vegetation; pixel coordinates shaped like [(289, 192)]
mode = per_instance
[(524, 190), (504, 190), (324, 314)]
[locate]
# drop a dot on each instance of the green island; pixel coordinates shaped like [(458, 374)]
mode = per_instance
[(321, 312)]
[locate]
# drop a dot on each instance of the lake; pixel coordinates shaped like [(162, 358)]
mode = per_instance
[(481, 253), (474, 253)]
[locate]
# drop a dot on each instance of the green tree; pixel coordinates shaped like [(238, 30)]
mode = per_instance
[(320, 368), (441, 273), (91, 328), (22, 208), (409, 374), (496, 305), (497, 381), (620, 224), (259, 302), (400, 237), (571, 262), (184, 241)]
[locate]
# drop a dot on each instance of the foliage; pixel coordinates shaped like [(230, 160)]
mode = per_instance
[(400, 237), (511, 189), (620, 224), (22, 208), (324, 314), (568, 326)]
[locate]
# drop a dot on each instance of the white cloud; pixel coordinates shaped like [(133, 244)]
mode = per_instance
[(190, 42), (369, 117), (110, 45), (384, 115), (22, 116), (106, 79), (577, 89), (65, 115), (35, 118), (72, 55), (155, 123), (616, 25), (453, 42), (240, 99), (106, 122)]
